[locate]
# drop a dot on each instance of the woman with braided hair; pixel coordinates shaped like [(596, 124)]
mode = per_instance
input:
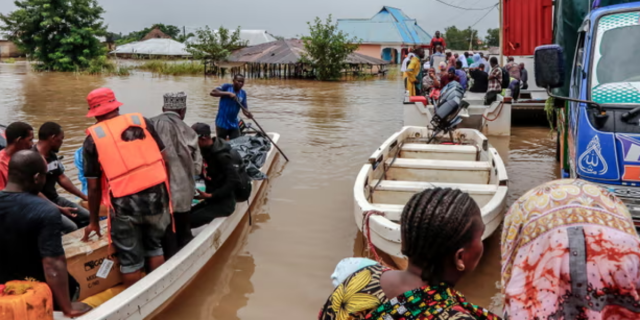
[(442, 239)]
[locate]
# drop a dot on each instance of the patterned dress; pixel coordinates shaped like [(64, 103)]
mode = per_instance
[(361, 297), (570, 251)]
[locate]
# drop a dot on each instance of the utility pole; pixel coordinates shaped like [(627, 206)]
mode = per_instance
[(501, 33)]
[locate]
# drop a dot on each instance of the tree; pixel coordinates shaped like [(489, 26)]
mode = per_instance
[(184, 37), (461, 39), (215, 44), (493, 37), (59, 34), (327, 49)]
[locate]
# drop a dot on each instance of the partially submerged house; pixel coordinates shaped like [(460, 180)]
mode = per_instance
[(156, 33), (283, 59), (8, 49), (387, 35), (152, 48)]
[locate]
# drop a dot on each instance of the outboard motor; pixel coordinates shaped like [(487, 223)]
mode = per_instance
[(446, 112)]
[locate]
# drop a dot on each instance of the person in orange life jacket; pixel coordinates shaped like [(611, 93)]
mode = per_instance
[(50, 138), (228, 109), (124, 168), (19, 137), (30, 228), (220, 176)]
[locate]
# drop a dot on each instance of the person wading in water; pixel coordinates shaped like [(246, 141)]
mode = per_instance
[(30, 229), (227, 119), (124, 168)]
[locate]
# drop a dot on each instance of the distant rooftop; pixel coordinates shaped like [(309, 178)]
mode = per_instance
[(389, 26)]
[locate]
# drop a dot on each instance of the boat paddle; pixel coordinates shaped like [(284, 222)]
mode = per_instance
[(262, 130)]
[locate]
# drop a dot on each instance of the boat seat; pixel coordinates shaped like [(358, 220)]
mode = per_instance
[(418, 186), (450, 171), (438, 152)]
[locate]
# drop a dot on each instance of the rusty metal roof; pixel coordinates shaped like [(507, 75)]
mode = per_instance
[(287, 52)]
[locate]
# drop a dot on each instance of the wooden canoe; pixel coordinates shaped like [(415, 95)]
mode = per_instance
[(405, 165), (155, 290)]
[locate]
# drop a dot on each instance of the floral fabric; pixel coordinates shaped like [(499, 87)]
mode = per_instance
[(361, 297), (570, 251)]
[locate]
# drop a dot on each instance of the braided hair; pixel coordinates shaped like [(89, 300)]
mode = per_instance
[(436, 223)]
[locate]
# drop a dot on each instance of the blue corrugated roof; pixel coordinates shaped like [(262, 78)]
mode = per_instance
[(389, 25)]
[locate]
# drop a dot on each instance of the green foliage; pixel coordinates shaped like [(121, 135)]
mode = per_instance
[(327, 49), (10, 60), (493, 37), (61, 35), (170, 30), (184, 37), (459, 39), (102, 66), (172, 68), (215, 45)]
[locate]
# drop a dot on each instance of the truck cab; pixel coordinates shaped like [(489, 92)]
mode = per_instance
[(599, 123)]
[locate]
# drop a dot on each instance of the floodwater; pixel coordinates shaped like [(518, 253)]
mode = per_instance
[(304, 224)]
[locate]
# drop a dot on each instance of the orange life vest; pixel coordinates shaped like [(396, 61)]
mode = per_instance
[(128, 166)]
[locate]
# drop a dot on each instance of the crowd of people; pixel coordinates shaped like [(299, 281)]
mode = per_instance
[(569, 251), (142, 170), (428, 75)]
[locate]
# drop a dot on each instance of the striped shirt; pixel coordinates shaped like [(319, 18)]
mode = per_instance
[(228, 109)]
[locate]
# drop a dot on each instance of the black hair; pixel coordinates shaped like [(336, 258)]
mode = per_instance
[(238, 75), (17, 130), (24, 165), (435, 224), (458, 64), (49, 129), (493, 60), (481, 66)]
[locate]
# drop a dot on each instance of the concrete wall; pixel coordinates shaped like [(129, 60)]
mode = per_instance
[(8, 49), (371, 50)]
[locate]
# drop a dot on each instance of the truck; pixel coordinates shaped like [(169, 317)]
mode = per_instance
[(596, 85)]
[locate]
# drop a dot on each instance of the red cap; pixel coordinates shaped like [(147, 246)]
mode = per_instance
[(101, 101)]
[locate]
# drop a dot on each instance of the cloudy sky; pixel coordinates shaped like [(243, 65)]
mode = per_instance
[(282, 17)]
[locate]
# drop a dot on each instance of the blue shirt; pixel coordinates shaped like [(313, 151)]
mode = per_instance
[(228, 109), (463, 78)]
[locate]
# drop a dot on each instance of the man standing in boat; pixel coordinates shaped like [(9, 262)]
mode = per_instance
[(228, 108), (185, 161), (124, 167)]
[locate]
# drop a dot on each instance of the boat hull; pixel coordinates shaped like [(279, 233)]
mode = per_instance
[(384, 231), (153, 291)]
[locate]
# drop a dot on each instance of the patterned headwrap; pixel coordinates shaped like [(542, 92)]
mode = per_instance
[(570, 251)]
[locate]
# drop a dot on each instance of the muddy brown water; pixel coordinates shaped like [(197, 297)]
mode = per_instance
[(304, 224)]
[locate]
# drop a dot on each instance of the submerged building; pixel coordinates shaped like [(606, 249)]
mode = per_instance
[(388, 35)]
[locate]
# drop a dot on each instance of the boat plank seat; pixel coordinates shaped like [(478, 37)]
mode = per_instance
[(399, 192), (392, 212), (418, 186), (474, 172), (438, 152)]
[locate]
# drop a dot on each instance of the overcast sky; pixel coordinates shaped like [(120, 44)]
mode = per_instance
[(282, 17)]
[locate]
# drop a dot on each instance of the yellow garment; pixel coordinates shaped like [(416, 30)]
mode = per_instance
[(104, 296), (411, 75)]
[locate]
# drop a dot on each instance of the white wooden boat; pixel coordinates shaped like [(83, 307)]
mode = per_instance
[(405, 165), (158, 288)]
